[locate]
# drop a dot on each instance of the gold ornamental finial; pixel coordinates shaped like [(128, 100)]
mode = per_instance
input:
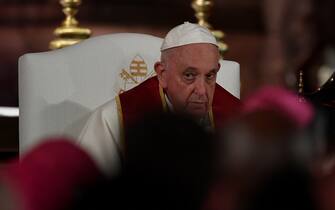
[(69, 33), (202, 12)]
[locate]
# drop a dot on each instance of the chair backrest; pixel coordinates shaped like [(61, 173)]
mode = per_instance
[(59, 89)]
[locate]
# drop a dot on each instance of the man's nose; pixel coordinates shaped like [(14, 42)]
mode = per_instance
[(200, 87)]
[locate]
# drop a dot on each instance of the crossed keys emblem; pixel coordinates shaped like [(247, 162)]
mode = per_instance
[(137, 73)]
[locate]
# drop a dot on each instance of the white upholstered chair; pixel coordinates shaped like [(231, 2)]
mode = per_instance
[(59, 89)]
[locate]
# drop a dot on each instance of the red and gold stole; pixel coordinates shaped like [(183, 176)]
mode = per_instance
[(148, 97)]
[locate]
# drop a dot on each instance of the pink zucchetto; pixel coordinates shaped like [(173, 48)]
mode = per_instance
[(282, 101), (47, 177)]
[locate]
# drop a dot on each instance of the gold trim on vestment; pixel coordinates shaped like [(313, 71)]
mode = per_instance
[(120, 115), (161, 93)]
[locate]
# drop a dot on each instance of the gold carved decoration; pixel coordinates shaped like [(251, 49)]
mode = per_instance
[(202, 12), (69, 32), (137, 73)]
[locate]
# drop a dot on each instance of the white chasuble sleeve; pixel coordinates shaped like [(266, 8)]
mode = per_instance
[(101, 138)]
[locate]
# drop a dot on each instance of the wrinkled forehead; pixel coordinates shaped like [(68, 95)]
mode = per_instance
[(202, 58)]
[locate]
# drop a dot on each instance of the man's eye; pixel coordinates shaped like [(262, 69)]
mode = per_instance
[(189, 76), (211, 77)]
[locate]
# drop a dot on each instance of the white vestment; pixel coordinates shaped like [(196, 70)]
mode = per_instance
[(101, 138)]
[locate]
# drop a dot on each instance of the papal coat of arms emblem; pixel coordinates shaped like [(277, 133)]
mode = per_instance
[(137, 73)]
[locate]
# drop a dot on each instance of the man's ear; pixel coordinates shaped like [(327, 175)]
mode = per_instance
[(161, 74)]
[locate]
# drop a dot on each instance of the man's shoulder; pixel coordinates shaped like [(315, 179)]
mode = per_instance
[(106, 110), (111, 104), (140, 100), (225, 105), (144, 97), (145, 87), (221, 95)]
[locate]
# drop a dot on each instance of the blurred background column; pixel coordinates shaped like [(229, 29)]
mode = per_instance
[(290, 40)]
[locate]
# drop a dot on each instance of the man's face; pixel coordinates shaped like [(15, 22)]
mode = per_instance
[(188, 76)]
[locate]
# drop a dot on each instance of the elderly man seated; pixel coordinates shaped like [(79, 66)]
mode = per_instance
[(185, 83)]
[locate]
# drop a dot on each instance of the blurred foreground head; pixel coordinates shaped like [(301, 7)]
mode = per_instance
[(281, 101), (170, 160), (270, 131), (167, 165), (260, 150), (288, 187), (47, 177)]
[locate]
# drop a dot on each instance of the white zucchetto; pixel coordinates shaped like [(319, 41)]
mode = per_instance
[(187, 33)]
